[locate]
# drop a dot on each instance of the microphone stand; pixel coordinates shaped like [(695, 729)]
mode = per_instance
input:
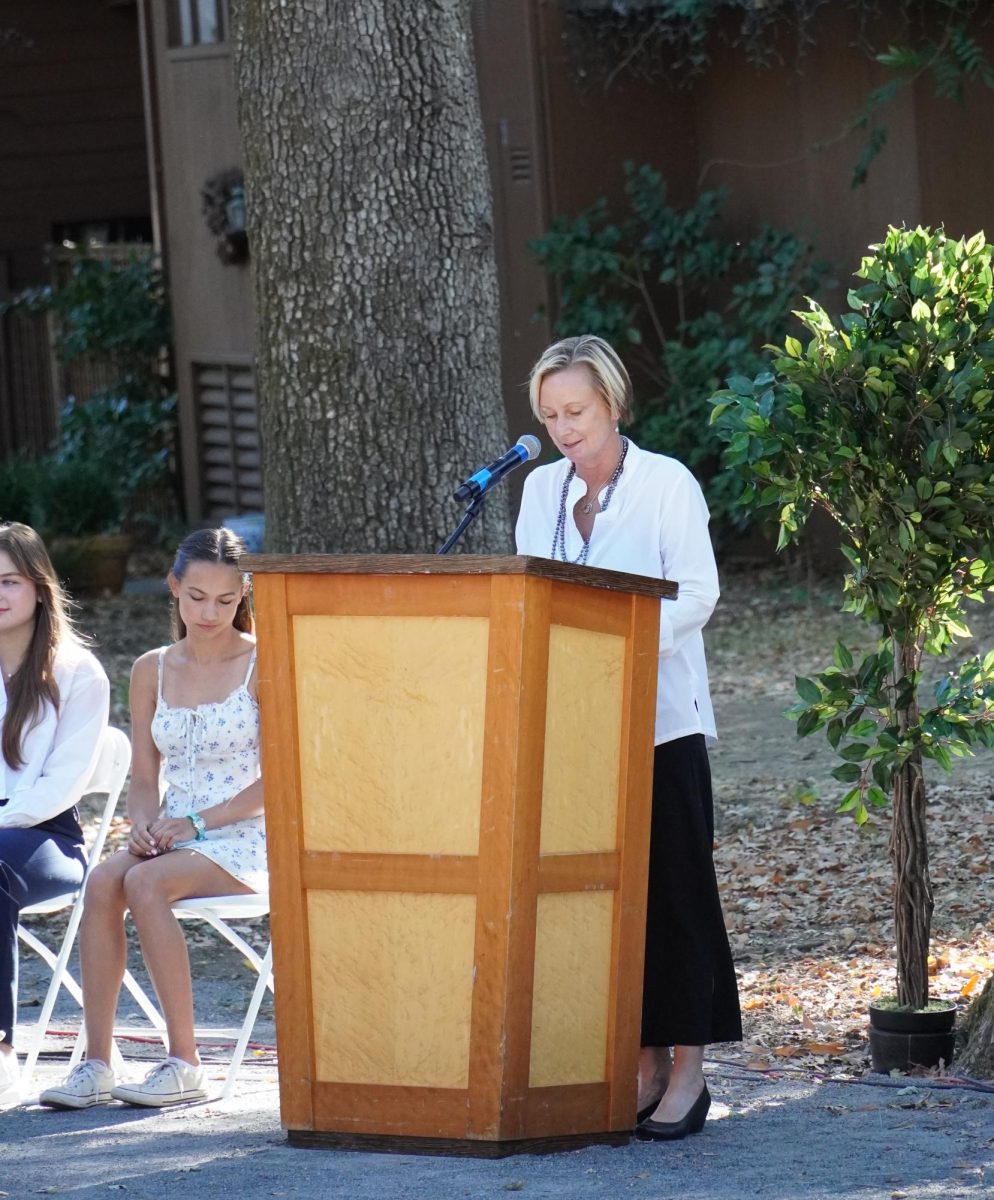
[(474, 510)]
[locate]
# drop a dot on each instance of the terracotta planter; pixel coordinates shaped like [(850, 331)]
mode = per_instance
[(901, 1040), (93, 564)]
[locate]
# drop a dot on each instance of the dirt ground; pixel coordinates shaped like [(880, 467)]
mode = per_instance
[(805, 893)]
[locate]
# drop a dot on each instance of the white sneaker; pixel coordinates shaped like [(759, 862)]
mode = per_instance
[(10, 1080), (170, 1082), (87, 1084)]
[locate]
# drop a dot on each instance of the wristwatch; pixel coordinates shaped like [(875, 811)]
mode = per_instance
[(199, 825)]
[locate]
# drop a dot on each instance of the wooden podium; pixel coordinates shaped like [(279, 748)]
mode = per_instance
[(457, 755)]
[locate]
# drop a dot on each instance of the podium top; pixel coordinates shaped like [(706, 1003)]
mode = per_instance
[(458, 564)]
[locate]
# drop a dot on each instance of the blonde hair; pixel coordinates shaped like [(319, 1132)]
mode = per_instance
[(607, 372), (34, 682)]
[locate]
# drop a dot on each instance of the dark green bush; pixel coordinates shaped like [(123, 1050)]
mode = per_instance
[(19, 488), (79, 498), (684, 303), (122, 438)]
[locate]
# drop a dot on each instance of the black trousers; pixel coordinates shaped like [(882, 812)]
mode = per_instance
[(690, 996)]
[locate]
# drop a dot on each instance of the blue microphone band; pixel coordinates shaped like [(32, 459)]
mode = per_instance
[(527, 447)]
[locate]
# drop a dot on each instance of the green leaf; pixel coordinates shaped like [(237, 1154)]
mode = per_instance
[(808, 722), (849, 801), (940, 755), (854, 752), (741, 384), (807, 689), (841, 656), (847, 773), (862, 728)]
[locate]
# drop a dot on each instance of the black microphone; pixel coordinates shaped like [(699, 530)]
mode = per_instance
[(527, 446)]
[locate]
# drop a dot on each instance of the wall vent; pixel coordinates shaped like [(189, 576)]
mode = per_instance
[(229, 445)]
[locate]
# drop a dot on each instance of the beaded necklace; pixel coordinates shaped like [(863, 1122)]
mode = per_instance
[(559, 537)]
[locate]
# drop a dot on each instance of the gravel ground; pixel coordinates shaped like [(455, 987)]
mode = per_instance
[(779, 1138), (792, 1129)]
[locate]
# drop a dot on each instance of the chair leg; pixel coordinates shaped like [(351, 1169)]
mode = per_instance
[(264, 981), (144, 1003), (233, 938), (147, 1007), (60, 978)]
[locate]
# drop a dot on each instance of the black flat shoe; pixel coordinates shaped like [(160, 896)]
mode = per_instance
[(673, 1131)]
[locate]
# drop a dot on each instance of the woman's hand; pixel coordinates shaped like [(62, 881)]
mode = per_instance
[(141, 843), (168, 831)]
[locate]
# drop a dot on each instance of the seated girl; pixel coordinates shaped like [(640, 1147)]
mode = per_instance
[(195, 716), (54, 698)]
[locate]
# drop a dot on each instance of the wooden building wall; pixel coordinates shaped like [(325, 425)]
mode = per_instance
[(196, 131), (72, 153), (554, 146), (753, 131)]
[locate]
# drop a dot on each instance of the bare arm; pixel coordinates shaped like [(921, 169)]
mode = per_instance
[(143, 791)]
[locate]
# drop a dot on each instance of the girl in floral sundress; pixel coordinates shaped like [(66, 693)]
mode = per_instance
[(195, 803)]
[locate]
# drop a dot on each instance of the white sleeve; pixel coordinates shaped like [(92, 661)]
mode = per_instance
[(687, 558), (83, 712), (528, 537)]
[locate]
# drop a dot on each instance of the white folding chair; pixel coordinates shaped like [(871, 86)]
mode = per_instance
[(217, 911), (108, 776)]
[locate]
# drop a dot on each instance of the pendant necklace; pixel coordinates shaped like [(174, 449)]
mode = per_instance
[(559, 537)]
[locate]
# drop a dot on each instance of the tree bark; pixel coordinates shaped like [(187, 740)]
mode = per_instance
[(371, 235), (913, 901), (975, 1056)]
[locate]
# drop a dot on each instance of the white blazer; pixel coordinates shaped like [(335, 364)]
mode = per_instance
[(655, 525)]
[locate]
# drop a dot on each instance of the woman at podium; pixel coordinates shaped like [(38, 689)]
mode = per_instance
[(612, 505)]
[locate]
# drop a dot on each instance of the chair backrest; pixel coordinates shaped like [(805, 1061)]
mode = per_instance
[(108, 776)]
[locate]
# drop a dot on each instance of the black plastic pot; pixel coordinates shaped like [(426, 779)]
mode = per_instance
[(901, 1040)]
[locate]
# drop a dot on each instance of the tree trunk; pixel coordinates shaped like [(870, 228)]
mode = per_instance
[(371, 235), (909, 856), (975, 1056)]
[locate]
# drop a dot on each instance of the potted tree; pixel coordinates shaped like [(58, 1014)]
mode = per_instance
[(78, 507), (885, 419), (80, 510)]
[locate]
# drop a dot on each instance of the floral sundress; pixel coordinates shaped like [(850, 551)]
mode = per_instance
[(210, 753)]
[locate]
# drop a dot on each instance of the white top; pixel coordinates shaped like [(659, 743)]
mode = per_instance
[(655, 525), (61, 750)]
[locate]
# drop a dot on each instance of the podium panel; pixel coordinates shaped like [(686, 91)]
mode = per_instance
[(457, 757), (370, 692)]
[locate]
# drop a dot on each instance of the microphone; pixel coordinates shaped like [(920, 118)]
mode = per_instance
[(526, 447)]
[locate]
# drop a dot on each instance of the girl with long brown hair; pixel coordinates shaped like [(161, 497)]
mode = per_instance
[(195, 730), (54, 699)]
